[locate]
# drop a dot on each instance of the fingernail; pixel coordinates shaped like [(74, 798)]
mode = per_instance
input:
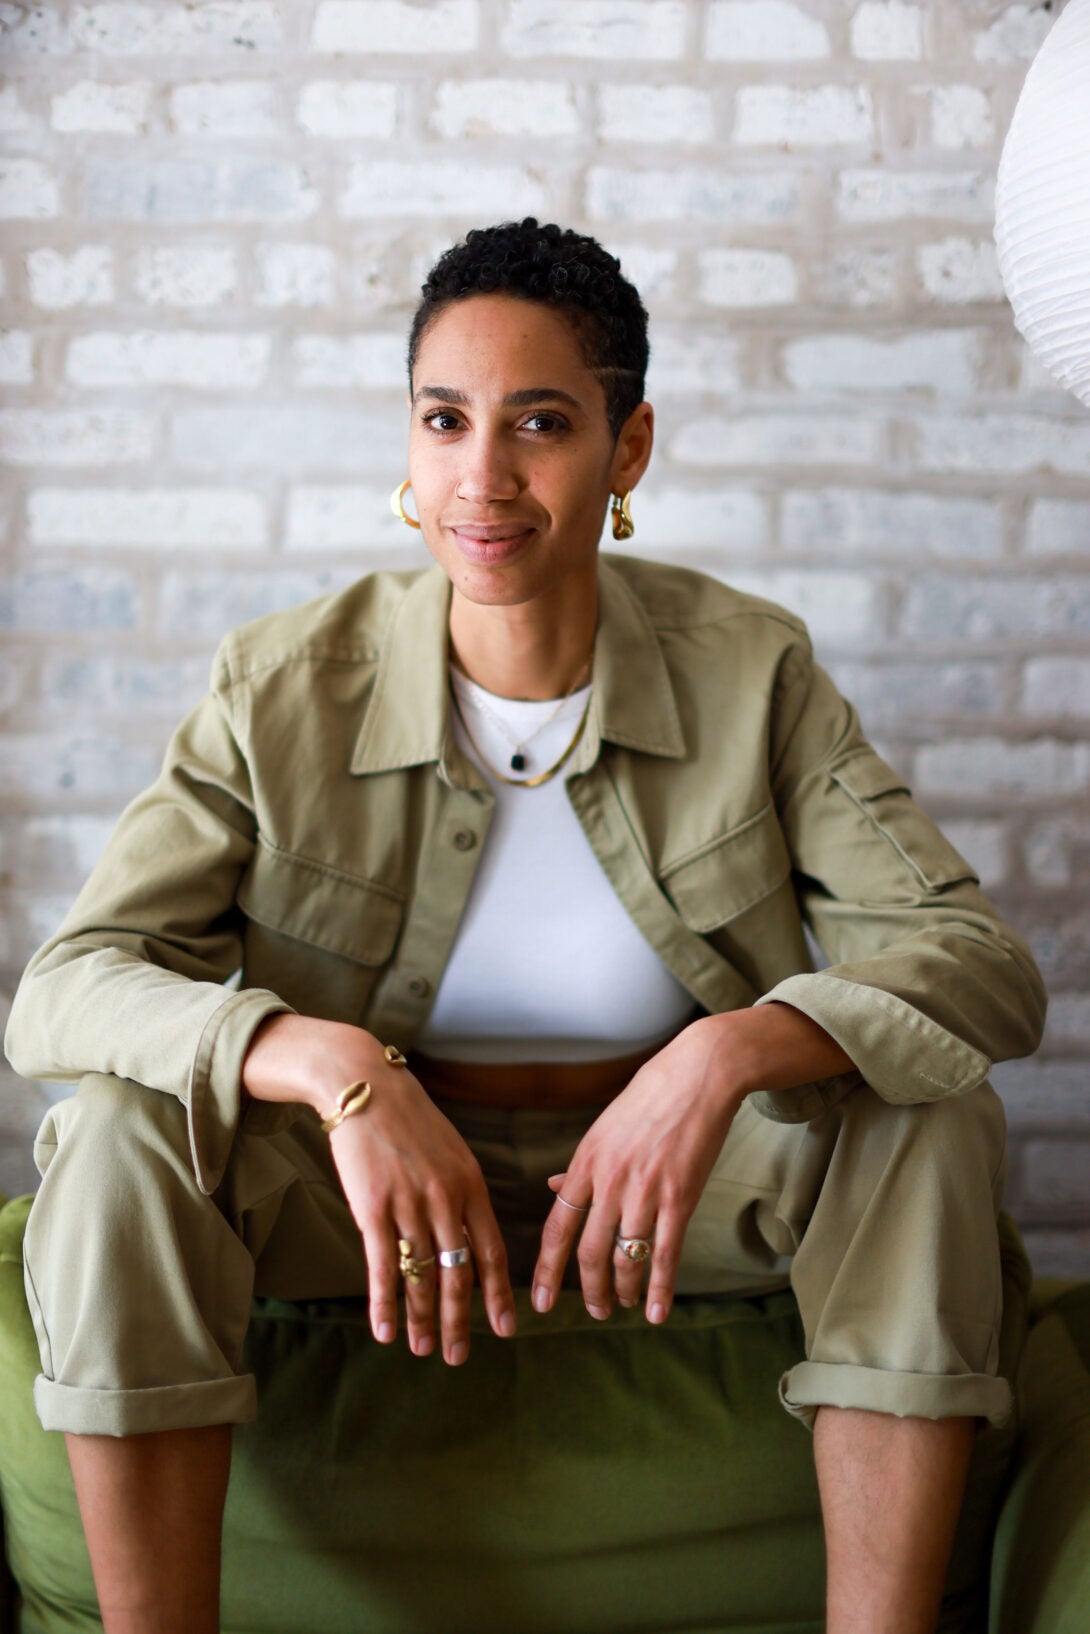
[(458, 1353), (507, 1324), (386, 1332), (657, 1313), (541, 1298), (627, 1303), (422, 1345), (599, 1312)]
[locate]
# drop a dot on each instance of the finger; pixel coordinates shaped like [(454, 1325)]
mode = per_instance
[(383, 1279), (564, 1222), (490, 1254), (413, 1228), (665, 1258), (455, 1288), (595, 1255), (628, 1269)]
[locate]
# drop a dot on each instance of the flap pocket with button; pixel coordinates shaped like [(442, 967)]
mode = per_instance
[(730, 874), (883, 795), (338, 912)]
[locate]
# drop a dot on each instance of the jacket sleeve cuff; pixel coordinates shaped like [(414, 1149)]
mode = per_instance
[(902, 1054), (215, 1081)]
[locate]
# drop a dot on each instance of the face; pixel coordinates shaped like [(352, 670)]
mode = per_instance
[(510, 453)]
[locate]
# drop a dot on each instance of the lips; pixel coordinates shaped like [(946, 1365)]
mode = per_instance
[(489, 543)]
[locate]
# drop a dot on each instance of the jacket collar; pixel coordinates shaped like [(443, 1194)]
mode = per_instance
[(407, 718)]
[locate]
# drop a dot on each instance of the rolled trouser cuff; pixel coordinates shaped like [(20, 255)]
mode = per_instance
[(811, 1385), (134, 1412)]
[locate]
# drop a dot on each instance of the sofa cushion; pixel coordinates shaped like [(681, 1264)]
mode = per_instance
[(582, 1478)]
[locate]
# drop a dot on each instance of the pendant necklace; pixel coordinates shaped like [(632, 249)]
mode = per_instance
[(518, 745), (524, 782)]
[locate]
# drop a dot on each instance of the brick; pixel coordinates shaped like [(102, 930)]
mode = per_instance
[(763, 31), (504, 107), (345, 109), (685, 194), (893, 195), (126, 686), (959, 270), (1033, 379), (16, 357), (886, 31), (984, 609), (185, 275), (178, 357), (943, 360), (84, 278), (441, 187), (206, 605), (61, 847), (344, 516), (644, 30), (1060, 943), (91, 105), (1043, 1095), (1057, 686), (983, 767), (1058, 527), (848, 521), (41, 765), (147, 518), (655, 113), (779, 439), (1068, 1019), (1057, 851), (29, 190), (690, 359), (224, 108), (1004, 444), (822, 116), (95, 437), (74, 600), (652, 271), (739, 277), (198, 190), (1056, 1178), (1015, 37), (303, 275), (374, 362), (11, 684), (297, 437), (1053, 1253), (838, 608), (961, 117), (856, 277), (675, 518), (344, 26), (983, 844), (165, 30), (14, 116), (906, 692), (34, 31)]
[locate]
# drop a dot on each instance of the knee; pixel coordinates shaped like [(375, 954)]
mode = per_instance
[(110, 1128), (964, 1135)]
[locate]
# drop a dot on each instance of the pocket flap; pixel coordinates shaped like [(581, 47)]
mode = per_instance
[(867, 776), (714, 885), (342, 913)]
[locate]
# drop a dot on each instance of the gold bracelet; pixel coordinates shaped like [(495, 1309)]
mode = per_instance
[(355, 1096)]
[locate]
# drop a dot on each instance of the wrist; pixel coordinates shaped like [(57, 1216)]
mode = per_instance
[(301, 1059)]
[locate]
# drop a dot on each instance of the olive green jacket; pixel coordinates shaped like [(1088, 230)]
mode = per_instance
[(316, 828)]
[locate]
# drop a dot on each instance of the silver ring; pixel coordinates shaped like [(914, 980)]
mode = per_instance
[(634, 1248), (573, 1206), (451, 1257)]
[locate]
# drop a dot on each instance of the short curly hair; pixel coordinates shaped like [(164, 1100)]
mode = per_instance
[(560, 268)]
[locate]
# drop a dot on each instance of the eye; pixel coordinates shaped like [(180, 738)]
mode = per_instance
[(546, 423), (436, 415)]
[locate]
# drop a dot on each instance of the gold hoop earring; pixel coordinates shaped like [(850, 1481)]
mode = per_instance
[(397, 504), (623, 525)]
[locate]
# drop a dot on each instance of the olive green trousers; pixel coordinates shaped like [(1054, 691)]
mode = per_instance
[(881, 1218)]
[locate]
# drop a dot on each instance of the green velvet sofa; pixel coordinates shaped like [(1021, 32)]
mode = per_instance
[(579, 1479)]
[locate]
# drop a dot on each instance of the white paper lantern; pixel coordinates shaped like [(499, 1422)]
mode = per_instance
[(1042, 226)]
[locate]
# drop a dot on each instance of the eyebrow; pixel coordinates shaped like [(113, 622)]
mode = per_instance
[(514, 399)]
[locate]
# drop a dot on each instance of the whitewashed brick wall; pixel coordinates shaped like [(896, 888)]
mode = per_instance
[(216, 216)]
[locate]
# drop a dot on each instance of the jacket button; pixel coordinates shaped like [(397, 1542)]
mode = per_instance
[(464, 839), (418, 987)]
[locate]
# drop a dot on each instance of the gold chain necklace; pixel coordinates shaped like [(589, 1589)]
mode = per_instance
[(523, 782)]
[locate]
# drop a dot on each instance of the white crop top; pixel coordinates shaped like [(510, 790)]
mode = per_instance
[(546, 964)]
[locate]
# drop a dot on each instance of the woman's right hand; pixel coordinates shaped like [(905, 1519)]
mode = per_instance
[(405, 1171)]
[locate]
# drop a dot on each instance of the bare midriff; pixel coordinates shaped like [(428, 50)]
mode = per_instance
[(556, 1084)]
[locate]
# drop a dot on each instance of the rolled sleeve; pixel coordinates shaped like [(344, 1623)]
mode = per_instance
[(215, 1082)]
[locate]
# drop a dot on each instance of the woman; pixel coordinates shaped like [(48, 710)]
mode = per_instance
[(550, 825)]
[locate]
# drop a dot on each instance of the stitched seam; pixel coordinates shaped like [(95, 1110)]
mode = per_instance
[(338, 875)]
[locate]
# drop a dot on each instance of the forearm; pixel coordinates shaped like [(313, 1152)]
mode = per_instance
[(299, 1059), (770, 1048)]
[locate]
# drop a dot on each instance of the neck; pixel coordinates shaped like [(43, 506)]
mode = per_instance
[(526, 651)]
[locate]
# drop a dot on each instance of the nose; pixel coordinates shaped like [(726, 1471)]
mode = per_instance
[(488, 471)]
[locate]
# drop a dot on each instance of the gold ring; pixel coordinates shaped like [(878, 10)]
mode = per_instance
[(409, 1267), (634, 1248)]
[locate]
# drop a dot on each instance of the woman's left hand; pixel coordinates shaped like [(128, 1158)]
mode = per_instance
[(642, 1165)]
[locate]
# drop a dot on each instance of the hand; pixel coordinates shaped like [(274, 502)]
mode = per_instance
[(405, 1171), (642, 1167)]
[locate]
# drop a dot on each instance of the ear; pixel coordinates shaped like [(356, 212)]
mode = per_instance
[(633, 450)]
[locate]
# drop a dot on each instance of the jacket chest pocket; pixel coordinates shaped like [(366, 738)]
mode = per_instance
[(916, 844), (731, 874)]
